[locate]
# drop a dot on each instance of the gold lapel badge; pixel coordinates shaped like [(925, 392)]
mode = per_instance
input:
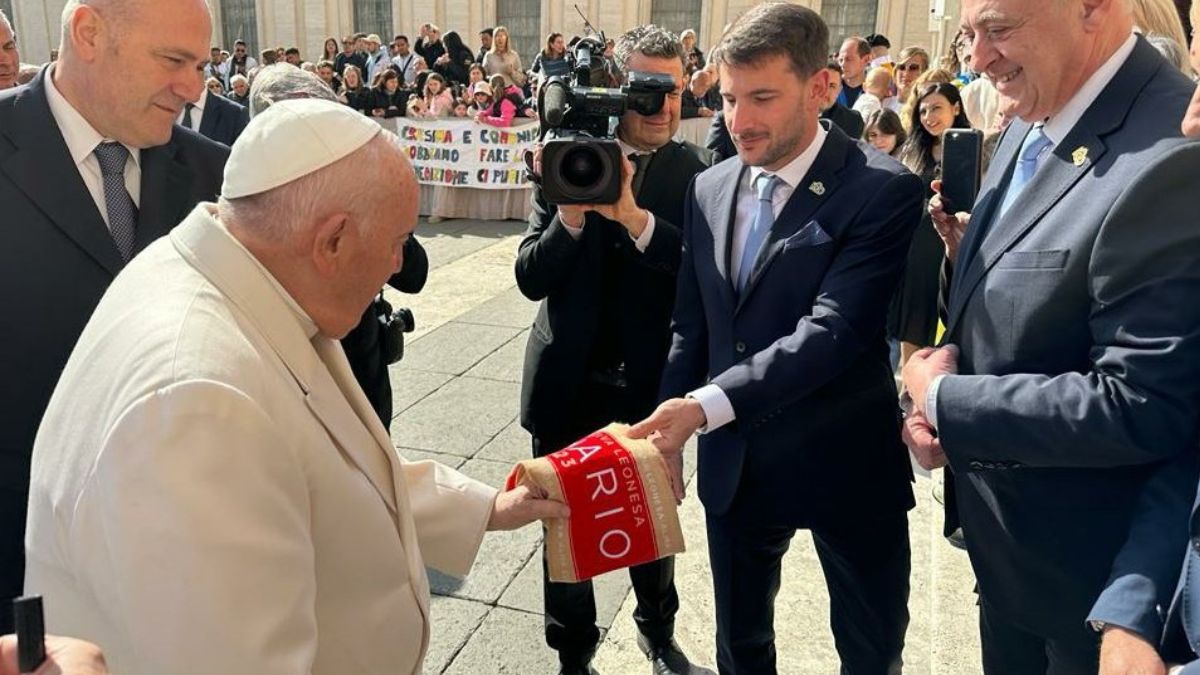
[(1080, 155), (817, 188)]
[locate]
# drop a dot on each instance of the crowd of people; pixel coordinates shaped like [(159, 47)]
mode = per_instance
[(195, 447)]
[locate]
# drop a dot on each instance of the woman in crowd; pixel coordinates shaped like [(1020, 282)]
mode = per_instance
[(453, 65), (213, 85), (503, 60), (353, 93), (884, 131), (330, 51), (475, 75), (910, 66), (552, 60), (908, 109), (914, 316), (691, 53), (387, 98), (437, 101)]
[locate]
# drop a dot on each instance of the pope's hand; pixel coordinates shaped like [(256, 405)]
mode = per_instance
[(520, 506)]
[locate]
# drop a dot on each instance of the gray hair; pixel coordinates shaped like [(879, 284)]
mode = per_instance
[(282, 212), (776, 29), (648, 40), (1171, 50), (7, 22), (281, 81), (238, 78)]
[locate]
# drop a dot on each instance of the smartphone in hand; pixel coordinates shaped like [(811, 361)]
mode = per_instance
[(962, 168)]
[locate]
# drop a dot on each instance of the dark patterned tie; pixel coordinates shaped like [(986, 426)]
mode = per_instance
[(640, 161), (122, 212)]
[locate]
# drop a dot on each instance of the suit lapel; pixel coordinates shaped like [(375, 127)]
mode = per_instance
[(1059, 172), (166, 182), (816, 188), (42, 168), (208, 117), (721, 217)]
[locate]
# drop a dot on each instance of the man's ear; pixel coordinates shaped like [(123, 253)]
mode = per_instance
[(332, 244), (818, 85)]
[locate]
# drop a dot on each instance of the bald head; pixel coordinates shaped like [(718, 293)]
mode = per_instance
[(879, 83), (129, 66)]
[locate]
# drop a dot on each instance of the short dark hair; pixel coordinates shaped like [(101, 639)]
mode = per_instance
[(834, 66), (887, 122), (325, 63), (399, 38), (648, 40), (292, 50), (239, 42), (776, 29), (878, 40), (487, 31)]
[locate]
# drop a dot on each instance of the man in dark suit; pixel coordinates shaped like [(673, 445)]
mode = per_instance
[(832, 109), (605, 275), (223, 120), (1076, 371), (92, 169), (791, 253), (718, 141)]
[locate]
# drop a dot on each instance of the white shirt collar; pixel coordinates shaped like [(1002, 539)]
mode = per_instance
[(627, 149), (199, 103), (1058, 126), (81, 137), (794, 171)]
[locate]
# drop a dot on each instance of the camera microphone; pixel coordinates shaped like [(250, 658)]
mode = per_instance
[(554, 102)]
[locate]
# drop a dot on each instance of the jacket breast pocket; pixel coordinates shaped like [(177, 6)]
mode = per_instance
[(810, 234), (1033, 260)]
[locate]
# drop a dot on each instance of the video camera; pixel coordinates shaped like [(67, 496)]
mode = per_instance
[(581, 161)]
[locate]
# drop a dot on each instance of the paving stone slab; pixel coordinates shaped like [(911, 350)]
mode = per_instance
[(454, 347), (453, 622), (411, 385), (509, 642), (458, 418), (511, 445), (502, 554), (506, 363), (509, 308)]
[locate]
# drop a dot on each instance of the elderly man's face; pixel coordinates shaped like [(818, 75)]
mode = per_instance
[(1030, 49), (240, 87), (10, 60), (141, 73)]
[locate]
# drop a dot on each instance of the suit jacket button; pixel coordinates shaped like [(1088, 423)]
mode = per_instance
[(740, 347)]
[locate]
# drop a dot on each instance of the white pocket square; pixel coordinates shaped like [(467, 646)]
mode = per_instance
[(812, 234)]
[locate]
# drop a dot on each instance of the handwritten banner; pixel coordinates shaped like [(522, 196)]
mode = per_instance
[(464, 153)]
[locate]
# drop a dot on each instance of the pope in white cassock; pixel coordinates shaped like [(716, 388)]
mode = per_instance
[(211, 491)]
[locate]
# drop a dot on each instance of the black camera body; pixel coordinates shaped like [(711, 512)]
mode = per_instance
[(581, 160), (392, 327)]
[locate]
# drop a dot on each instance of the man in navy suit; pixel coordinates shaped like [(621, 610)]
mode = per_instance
[(1075, 370), (791, 252), (216, 117), (92, 169)]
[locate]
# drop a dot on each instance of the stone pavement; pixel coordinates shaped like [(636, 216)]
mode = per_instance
[(456, 401)]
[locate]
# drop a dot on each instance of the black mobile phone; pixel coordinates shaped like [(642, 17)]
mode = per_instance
[(962, 168)]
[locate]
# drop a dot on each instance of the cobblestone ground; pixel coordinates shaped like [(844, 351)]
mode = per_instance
[(456, 401)]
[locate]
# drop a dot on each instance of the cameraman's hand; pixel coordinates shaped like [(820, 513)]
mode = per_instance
[(625, 211)]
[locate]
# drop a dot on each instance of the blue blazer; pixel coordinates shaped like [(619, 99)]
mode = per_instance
[(223, 120), (801, 352), (1077, 318)]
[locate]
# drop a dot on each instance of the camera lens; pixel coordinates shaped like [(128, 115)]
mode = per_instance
[(582, 167)]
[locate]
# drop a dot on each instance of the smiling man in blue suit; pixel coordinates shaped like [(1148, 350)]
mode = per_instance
[(1073, 308), (791, 252)]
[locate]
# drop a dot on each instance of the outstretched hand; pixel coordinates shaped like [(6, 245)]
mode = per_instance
[(520, 506)]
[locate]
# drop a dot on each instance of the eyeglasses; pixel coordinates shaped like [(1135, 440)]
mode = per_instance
[(910, 67)]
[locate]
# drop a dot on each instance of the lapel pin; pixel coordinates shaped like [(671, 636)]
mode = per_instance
[(1080, 155), (817, 188)]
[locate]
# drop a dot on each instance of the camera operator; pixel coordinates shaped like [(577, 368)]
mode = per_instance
[(605, 274)]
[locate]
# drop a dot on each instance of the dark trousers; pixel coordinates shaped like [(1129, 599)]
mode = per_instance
[(571, 608), (1010, 650), (866, 566)]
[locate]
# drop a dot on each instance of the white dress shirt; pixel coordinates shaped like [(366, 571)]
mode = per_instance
[(1056, 128), (197, 111), (642, 242), (407, 65), (82, 138), (718, 411)]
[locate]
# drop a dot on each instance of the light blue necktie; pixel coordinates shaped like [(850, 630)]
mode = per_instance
[(763, 220), (1035, 144), (122, 212)]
